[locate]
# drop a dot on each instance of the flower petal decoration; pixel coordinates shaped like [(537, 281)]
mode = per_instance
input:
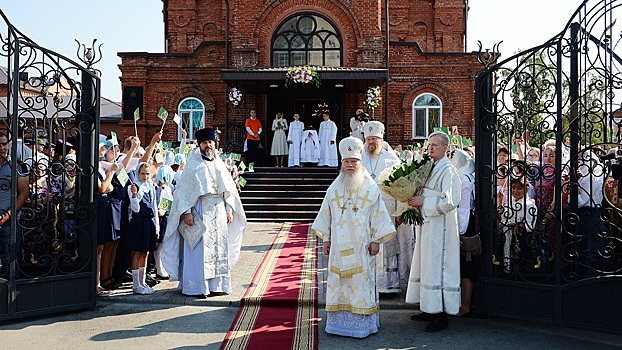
[(302, 75)]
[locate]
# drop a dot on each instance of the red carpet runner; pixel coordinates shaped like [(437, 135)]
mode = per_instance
[(279, 309)]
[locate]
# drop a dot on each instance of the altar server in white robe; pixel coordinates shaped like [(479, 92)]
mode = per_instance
[(352, 223), (395, 255), (328, 142), (434, 280), (294, 139), (206, 188)]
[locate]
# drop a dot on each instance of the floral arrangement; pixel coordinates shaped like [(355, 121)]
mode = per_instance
[(235, 97), (405, 180), (302, 75), (373, 98)]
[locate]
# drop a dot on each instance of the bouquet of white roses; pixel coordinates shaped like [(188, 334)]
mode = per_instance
[(405, 180)]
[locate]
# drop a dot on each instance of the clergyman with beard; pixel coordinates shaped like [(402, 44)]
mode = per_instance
[(353, 221), (205, 192), (395, 255)]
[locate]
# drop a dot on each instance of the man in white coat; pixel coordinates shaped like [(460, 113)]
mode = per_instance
[(395, 255), (294, 139), (434, 280), (205, 197), (328, 142)]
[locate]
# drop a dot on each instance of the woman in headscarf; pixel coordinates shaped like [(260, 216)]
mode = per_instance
[(468, 269)]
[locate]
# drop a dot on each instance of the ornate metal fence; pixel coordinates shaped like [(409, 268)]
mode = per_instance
[(49, 122), (549, 158)]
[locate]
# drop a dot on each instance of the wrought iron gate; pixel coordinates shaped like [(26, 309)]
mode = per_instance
[(556, 258), (49, 122)]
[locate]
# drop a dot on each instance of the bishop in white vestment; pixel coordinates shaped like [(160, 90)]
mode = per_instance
[(328, 142), (203, 263), (294, 139), (352, 223), (395, 255), (434, 280)]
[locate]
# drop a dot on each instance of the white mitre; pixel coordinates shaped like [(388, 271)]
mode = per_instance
[(351, 147), (374, 128)]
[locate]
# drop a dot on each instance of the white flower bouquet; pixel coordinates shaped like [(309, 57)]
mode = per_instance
[(235, 97), (405, 180), (302, 75), (372, 99)]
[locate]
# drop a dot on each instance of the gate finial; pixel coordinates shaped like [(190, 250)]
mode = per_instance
[(486, 58)]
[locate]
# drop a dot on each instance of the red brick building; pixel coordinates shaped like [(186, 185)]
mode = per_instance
[(425, 76)]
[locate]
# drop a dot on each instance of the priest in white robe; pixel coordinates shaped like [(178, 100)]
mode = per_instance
[(205, 196), (328, 142), (352, 223), (294, 139), (310, 148), (434, 280), (395, 255)]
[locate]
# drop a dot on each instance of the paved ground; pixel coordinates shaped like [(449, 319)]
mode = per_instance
[(169, 320)]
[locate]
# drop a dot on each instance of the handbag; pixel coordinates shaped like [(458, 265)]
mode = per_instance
[(471, 241)]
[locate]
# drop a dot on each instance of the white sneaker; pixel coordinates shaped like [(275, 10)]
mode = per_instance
[(142, 290)]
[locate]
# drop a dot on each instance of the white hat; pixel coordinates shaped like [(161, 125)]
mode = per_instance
[(374, 128), (351, 147)]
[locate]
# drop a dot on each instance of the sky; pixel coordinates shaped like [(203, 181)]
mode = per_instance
[(137, 26)]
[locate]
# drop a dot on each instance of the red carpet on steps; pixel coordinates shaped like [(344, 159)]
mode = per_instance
[(279, 309)]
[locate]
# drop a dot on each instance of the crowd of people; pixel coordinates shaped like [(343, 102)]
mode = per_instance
[(182, 205), (364, 263), (143, 195)]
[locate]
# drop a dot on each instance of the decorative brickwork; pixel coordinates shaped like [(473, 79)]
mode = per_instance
[(426, 54)]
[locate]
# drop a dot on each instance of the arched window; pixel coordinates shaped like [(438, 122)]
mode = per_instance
[(306, 39), (426, 111), (191, 112)]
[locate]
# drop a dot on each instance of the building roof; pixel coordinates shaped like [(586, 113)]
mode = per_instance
[(262, 79)]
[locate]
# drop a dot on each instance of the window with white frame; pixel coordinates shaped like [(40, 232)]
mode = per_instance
[(426, 114), (191, 113)]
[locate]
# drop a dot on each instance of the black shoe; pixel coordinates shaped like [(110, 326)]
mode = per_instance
[(150, 281), (423, 317), (216, 294), (198, 296), (159, 277), (437, 325)]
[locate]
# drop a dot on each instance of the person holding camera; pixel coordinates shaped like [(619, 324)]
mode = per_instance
[(357, 122)]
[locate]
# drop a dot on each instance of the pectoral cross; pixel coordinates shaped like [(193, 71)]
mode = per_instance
[(215, 185)]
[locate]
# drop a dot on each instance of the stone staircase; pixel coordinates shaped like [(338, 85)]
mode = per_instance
[(285, 194)]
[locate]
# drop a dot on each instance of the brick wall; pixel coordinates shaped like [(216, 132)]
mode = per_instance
[(426, 55)]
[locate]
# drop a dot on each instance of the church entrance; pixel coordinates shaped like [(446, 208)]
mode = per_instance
[(310, 110)]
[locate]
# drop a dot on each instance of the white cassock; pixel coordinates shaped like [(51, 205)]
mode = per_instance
[(310, 148), (351, 222), (357, 128), (328, 151), (294, 136), (434, 280), (208, 187), (395, 255)]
